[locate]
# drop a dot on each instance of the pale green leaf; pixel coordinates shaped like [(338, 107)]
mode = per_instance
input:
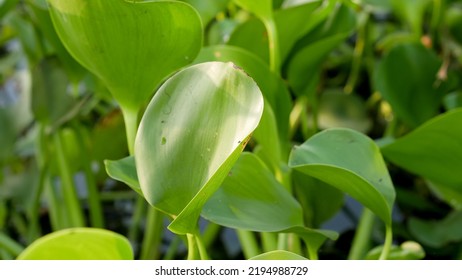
[(131, 46), (191, 134), (79, 244), (124, 170), (278, 255)]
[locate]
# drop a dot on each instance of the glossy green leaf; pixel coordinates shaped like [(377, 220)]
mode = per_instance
[(190, 136), (406, 78), (272, 87), (124, 170), (79, 244), (278, 255), (408, 250), (437, 233), (351, 162), (131, 46), (433, 150), (251, 198)]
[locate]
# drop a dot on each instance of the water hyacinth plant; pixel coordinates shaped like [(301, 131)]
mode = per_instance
[(161, 129)]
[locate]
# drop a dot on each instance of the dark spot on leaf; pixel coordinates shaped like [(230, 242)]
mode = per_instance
[(163, 141)]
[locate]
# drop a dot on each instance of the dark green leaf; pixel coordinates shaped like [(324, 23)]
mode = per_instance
[(433, 150), (406, 78), (251, 198), (351, 162), (437, 233)]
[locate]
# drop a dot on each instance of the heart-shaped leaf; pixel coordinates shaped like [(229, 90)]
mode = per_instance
[(251, 198), (406, 79), (433, 150), (193, 131), (79, 244), (351, 162), (131, 45)]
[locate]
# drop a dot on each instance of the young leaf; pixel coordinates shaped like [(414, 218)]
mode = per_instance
[(351, 162), (433, 150), (124, 170), (190, 136), (406, 79), (79, 244), (132, 46), (409, 250)]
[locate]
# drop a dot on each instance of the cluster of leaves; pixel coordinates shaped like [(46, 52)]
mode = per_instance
[(258, 116)]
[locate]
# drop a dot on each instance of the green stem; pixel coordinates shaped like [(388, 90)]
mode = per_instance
[(193, 253), (131, 127), (202, 249), (358, 53), (249, 243), (33, 212), (210, 234), (69, 192), (312, 253), (153, 235), (361, 241), (269, 241), (140, 209), (388, 242), (57, 219), (10, 245), (170, 254), (94, 200), (275, 59)]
